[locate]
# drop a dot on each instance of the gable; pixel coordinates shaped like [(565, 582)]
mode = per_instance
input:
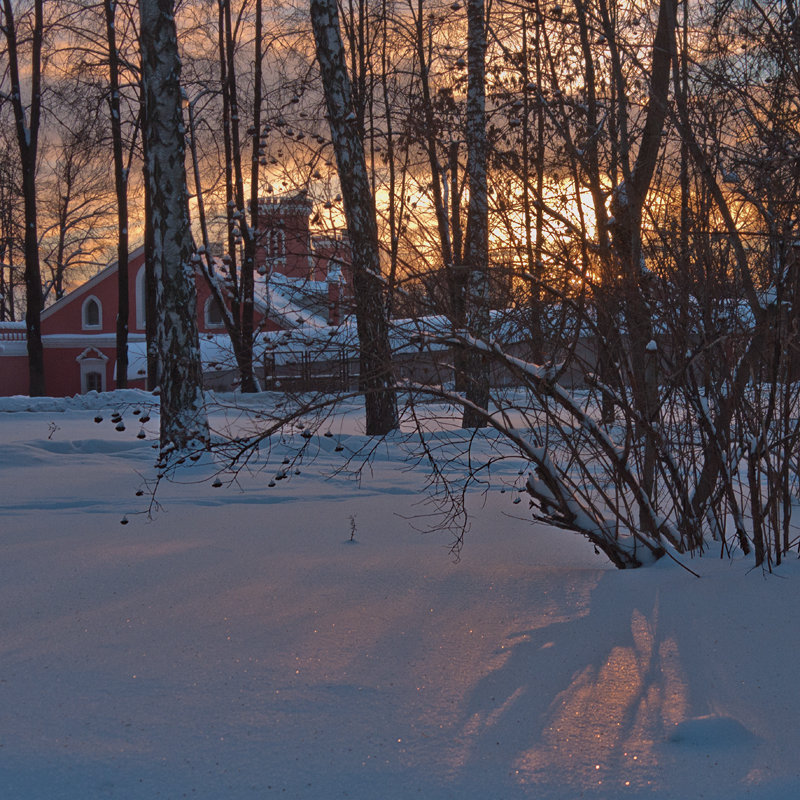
[(65, 315)]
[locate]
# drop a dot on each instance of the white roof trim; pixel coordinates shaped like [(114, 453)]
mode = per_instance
[(81, 290), (91, 352)]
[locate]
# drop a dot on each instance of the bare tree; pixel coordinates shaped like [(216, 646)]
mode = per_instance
[(184, 424), (74, 181), (121, 172), (241, 279), (11, 273), (359, 205), (27, 119), (477, 240)]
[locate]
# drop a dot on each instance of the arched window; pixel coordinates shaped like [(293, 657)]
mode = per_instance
[(92, 314), (213, 317)]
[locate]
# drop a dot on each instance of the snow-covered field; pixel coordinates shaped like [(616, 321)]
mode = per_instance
[(237, 644)]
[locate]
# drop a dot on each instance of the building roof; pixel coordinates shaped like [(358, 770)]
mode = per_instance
[(86, 288)]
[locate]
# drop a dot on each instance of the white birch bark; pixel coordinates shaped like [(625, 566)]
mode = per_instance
[(184, 423), (477, 240)]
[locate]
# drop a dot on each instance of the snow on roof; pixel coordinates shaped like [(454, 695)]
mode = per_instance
[(293, 302)]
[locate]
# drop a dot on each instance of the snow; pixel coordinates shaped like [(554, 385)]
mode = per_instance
[(237, 644)]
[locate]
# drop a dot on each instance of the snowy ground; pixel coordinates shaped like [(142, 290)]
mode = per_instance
[(238, 645)]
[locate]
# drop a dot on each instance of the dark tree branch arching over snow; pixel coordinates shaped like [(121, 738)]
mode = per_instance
[(184, 424)]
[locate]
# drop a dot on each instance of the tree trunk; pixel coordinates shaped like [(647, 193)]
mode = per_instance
[(184, 424), (27, 128), (359, 206), (626, 237), (244, 299), (249, 381), (121, 189), (477, 239), (150, 313), (431, 146)]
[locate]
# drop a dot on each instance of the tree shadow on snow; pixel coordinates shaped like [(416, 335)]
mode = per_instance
[(602, 706)]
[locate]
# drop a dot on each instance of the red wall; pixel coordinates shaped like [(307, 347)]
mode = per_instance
[(66, 315), (13, 375), (62, 370)]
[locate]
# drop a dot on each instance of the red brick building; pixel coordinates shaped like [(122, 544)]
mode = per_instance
[(302, 281)]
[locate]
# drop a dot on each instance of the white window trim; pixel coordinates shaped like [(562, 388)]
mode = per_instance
[(84, 324), (92, 360)]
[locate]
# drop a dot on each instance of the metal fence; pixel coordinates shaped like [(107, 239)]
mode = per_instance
[(309, 371)]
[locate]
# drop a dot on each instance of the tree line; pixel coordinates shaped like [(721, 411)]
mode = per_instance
[(617, 182)]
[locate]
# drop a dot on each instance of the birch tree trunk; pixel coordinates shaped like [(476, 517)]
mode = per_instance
[(477, 239), (359, 206), (248, 277), (184, 424)]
